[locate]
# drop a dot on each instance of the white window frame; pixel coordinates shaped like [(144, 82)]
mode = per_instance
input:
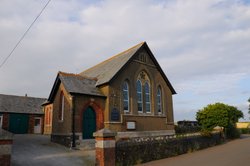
[(147, 94), (62, 107), (159, 102), (140, 93), (1, 121), (126, 100)]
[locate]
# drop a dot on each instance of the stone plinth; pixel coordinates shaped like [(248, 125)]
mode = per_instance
[(6, 141), (105, 147)]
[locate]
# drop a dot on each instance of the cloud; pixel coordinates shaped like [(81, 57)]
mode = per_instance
[(202, 46)]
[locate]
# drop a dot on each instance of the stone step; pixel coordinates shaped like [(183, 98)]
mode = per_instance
[(87, 144)]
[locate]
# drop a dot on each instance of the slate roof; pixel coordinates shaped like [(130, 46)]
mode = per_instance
[(21, 104), (107, 69), (75, 83)]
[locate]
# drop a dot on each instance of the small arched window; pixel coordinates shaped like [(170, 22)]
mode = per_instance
[(139, 95), (159, 100), (61, 110), (125, 91), (147, 97)]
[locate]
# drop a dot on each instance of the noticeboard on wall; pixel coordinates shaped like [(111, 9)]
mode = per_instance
[(131, 125), (115, 115)]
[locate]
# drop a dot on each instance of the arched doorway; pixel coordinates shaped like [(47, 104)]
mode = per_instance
[(88, 123)]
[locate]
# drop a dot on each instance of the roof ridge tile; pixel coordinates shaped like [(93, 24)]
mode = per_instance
[(114, 56), (77, 75)]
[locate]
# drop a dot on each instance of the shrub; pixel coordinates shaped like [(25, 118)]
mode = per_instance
[(244, 131), (222, 115), (186, 129), (231, 132)]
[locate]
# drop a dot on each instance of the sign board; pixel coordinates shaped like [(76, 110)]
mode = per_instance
[(131, 125), (115, 115)]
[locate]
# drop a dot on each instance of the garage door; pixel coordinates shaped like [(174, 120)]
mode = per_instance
[(18, 123)]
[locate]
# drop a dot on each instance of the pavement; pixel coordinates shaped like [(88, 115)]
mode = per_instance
[(232, 153), (31, 149)]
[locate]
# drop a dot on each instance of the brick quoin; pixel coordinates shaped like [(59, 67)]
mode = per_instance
[(98, 112), (5, 121), (31, 124), (4, 142), (5, 160), (105, 147), (104, 157)]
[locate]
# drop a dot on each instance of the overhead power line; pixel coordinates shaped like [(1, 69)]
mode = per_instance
[(25, 33)]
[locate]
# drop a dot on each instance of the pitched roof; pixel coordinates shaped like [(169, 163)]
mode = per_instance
[(75, 84), (21, 104), (108, 69)]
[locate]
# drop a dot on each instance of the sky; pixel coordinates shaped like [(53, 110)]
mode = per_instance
[(202, 46)]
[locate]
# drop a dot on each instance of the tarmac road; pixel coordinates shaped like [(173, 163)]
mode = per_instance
[(37, 150), (232, 153)]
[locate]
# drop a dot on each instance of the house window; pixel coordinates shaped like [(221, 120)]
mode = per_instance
[(143, 93), (1, 121), (147, 97), (139, 95), (159, 100), (48, 117), (125, 90), (61, 110)]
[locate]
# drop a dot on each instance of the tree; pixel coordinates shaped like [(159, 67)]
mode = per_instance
[(249, 106), (218, 114)]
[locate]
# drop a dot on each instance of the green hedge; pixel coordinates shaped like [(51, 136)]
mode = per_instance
[(244, 131), (141, 150), (187, 129)]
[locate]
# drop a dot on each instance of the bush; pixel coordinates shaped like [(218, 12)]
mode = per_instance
[(186, 129), (222, 115), (231, 132), (244, 131)]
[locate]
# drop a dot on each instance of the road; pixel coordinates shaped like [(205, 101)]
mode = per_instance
[(232, 153), (37, 150)]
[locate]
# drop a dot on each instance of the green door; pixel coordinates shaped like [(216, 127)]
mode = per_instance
[(18, 123), (88, 123)]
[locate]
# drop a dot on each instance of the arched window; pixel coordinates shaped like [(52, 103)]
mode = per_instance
[(125, 90), (147, 97), (61, 110), (159, 100), (143, 93), (139, 95)]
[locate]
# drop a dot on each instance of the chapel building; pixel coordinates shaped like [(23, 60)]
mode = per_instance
[(128, 93)]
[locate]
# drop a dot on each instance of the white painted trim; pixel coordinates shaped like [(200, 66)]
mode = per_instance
[(147, 115), (1, 121), (133, 134), (38, 129), (126, 111), (110, 122), (105, 144), (5, 149)]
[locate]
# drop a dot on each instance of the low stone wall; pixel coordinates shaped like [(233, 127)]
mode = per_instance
[(6, 141), (65, 140), (61, 139), (136, 134), (141, 150)]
